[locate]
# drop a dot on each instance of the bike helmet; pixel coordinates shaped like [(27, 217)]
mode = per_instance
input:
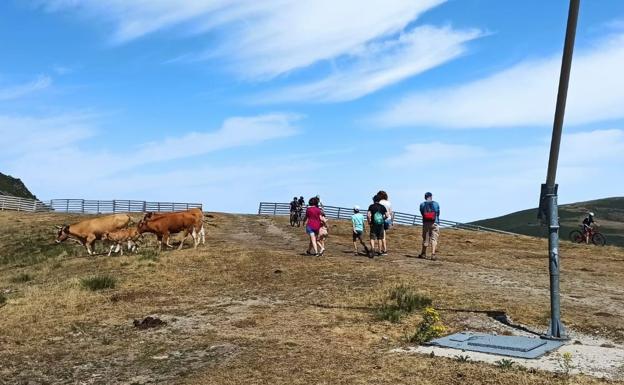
[(591, 214)]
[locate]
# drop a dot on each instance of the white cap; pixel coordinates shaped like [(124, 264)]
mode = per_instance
[(356, 208)]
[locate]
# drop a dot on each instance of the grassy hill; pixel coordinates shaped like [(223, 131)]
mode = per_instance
[(609, 215), (14, 186), (249, 308)]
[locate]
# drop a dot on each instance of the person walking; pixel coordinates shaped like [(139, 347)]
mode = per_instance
[(357, 220), (312, 223), (430, 211), (377, 215), (322, 234), (388, 222)]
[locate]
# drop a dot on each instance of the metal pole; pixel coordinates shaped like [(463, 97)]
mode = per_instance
[(556, 329)]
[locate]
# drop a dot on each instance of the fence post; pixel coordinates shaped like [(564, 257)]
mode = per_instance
[(338, 212), (98, 206), (274, 208), (66, 205), (114, 208), (158, 205), (259, 208), (34, 206)]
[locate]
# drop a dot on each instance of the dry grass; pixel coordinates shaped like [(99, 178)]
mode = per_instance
[(249, 308)]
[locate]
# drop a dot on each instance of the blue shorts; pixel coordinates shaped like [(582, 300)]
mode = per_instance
[(311, 231), (387, 224)]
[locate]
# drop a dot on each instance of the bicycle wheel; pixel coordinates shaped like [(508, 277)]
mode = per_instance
[(576, 236), (599, 239)]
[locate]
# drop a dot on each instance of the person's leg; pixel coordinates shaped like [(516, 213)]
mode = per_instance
[(435, 235), (423, 252), (313, 242)]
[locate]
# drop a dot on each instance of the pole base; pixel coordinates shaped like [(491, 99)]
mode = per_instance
[(559, 334)]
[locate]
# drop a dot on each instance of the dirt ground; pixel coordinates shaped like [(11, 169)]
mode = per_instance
[(250, 308)]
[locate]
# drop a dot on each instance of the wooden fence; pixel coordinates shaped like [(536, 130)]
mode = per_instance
[(90, 206), (333, 212), (8, 202)]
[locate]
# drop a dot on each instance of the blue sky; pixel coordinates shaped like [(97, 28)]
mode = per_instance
[(233, 102)]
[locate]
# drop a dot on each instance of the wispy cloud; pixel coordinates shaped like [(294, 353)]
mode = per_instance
[(49, 151), (264, 39), (21, 90), (523, 95), (475, 181), (382, 63)]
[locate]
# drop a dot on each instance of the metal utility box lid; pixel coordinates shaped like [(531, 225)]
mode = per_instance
[(512, 346)]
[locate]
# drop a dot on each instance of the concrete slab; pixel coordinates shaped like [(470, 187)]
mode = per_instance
[(511, 346)]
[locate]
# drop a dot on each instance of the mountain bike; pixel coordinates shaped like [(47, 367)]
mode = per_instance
[(595, 237), (295, 218)]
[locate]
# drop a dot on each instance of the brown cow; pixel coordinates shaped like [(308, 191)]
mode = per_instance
[(130, 236), (163, 225), (86, 232), (198, 213)]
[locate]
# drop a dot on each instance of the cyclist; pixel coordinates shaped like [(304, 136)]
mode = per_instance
[(294, 205), (588, 226), (301, 202)]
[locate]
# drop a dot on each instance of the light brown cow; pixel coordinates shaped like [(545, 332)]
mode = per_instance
[(130, 236), (86, 232), (198, 213), (163, 225)]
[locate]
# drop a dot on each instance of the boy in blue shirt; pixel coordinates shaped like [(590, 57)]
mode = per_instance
[(357, 220)]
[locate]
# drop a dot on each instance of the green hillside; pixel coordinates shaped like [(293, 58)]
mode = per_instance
[(609, 215), (14, 186)]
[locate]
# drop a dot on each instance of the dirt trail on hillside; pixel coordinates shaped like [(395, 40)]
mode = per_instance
[(248, 307)]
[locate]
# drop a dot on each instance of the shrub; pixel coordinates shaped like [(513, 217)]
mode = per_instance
[(462, 358), (21, 278), (504, 364), (429, 328), (401, 300), (98, 282), (565, 363)]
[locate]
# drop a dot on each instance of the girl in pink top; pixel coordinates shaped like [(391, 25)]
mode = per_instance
[(312, 225)]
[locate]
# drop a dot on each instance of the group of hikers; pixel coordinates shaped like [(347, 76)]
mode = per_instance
[(379, 217)]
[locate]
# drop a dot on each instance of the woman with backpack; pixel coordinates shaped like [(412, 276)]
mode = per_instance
[(377, 215), (430, 211), (312, 224), (388, 222)]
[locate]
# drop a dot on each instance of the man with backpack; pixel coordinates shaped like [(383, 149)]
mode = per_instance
[(430, 211), (377, 215)]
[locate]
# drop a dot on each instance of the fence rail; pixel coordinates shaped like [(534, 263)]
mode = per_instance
[(333, 212), (90, 206), (8, 202)]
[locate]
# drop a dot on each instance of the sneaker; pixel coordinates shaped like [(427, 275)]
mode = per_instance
[(370, 254), (308, 252), (320, 253), (421, 256), (433, 257), (384, 253), (356, 253), (379, 254)]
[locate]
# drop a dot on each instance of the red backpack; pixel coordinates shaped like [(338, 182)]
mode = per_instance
[(429, 214)]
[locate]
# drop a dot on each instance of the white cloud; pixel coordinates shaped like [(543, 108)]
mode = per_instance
[(264, 39), (523, 95), (48, 154), (21, 90), (434, 152), (473, 182), (379, 64)]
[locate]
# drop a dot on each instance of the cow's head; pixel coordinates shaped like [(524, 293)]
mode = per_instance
[(63, 233), (142, 226)]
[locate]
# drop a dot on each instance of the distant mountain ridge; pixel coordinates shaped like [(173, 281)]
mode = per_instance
[(14, 186), (609, 216)]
